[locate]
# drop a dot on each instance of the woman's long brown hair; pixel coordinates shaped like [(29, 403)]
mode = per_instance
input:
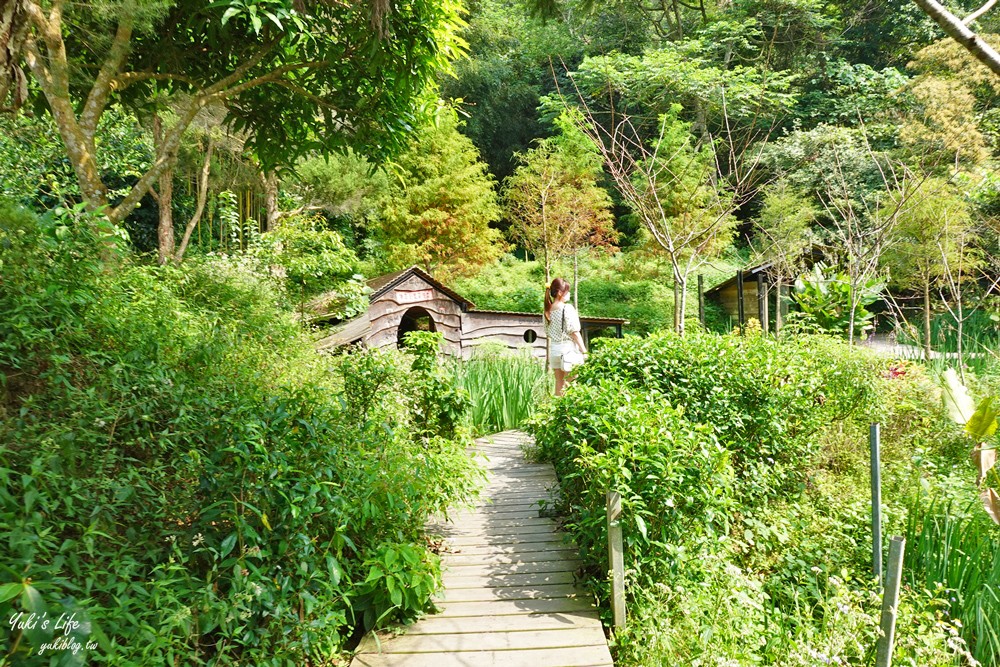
[(555, 290)]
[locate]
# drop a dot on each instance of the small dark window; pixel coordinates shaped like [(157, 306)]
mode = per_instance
[(530, 336)]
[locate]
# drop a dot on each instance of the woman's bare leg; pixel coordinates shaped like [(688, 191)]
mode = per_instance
[(560, 380)]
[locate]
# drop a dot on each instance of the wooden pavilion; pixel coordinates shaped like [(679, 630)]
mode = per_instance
[(412, 300), (751, 294)]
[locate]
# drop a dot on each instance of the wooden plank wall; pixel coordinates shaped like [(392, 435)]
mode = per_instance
[(508, 328), (728, 298), (386, 312)]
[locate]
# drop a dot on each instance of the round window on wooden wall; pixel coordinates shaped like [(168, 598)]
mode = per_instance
[(530, 336)]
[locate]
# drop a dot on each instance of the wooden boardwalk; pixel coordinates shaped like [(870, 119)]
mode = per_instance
[(509, 597)]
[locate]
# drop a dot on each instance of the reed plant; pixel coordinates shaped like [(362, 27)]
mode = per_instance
[(980, 341), (959, 553), (504, 386)]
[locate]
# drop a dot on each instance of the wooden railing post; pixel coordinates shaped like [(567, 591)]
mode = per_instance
[(874, 441), (614, 510), (890, 602)]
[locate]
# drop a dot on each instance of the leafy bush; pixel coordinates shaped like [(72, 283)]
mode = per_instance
[(824, 301), (674, 477), (744, 545), (440, 405), (178, 468), (766, 401), (312, 259)]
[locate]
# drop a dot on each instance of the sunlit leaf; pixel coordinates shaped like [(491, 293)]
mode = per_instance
[(957, 401), (983, 423)]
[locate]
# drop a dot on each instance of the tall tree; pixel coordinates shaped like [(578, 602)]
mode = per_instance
[(673, 186), (438, 209), (294, 76), (783, 236), (931, 238), (553, 200)]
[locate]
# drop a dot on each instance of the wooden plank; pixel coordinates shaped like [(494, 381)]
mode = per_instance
[(492, 556), (586, 656), (528, 547), (545, 592), (498, 569), (528, 579), (473, 540), (499, 513), (479, 522), (492, 641), (520, 623), (488, 530), (509, 607)]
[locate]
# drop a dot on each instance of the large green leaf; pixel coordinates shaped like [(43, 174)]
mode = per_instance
[(983, 423), (957, 401)]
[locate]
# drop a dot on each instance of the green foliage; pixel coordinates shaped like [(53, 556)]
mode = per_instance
[(783, 235), (346, 187), (675, 479), (824, 301), (683, 73), (955, 554), (312, 259), (553, 199), (441, 405), (439, 207), (504, 387), (33, 166), (179, 470), (933, 236), (845, 93), (766, 401), (715, 575)]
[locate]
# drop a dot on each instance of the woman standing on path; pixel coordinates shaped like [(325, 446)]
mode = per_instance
[(562, 327)]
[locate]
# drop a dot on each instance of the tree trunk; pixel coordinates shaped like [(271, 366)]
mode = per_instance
[(13, 28), (960, 321), (777, 308), (927, 319), (165, 227), (852, 297), (576, 280), (681, 310), (202, 200), (677, 307), (270, 181), (165, 224)]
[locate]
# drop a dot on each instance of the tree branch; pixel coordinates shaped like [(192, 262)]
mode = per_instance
[(971, 18), (202, 198), (958, 31), (97, 99), (271, 77)]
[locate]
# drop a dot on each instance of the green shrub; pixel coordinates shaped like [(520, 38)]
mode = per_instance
[(674, 477), (178, 468), (767, 401), (440, 405)]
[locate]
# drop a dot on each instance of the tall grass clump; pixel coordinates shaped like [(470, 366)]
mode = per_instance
[(957, 552), (504, 387)]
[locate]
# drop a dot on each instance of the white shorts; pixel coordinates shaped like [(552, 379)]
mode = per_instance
[(565, 356)]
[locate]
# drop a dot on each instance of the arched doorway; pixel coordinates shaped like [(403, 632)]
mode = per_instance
[(414, 319)]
